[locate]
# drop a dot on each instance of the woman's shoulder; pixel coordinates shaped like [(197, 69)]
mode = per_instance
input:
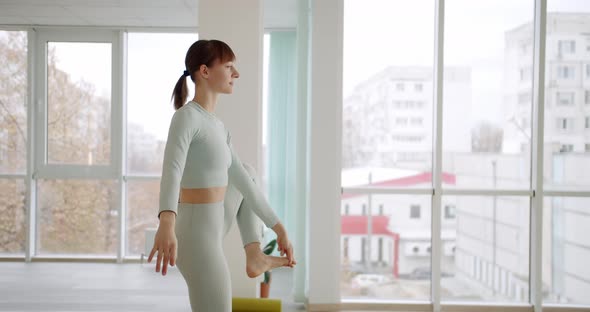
[(186, 111), (187, 118)]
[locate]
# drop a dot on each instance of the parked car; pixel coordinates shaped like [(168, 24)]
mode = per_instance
[(367, 280), (424, 273)]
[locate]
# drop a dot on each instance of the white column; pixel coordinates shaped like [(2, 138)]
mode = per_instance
[(325, 152), (239, 24), (301, 200)]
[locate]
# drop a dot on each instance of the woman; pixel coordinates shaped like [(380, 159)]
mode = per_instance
[(199, 163)]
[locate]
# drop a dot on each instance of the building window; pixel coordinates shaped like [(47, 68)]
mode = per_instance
[(565, 72), (587, 97), (565, 98), (345, 248), (566, 47), (416, 121), (587, 147), (564, 124), (407, 138), (399, 86), (418, 87), (346, 209), (449, 211), (381, 209), (523, 48), (588, 70), (364, 209), (526, 73), (566, 148), (414, 211), (524, 98), (587, 123), (401, 120)]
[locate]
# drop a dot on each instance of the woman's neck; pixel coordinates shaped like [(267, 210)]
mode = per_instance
[(206, 98)]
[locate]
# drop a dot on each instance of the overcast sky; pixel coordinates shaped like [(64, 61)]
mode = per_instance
[(381, 33)]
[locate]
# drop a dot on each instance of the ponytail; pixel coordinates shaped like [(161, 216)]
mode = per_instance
[(180, 92)]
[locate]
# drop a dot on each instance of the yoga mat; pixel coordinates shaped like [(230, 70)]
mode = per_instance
[(255, 305)]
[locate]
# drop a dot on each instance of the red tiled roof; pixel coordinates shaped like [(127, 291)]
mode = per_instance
[(425, 177), (355, 225)]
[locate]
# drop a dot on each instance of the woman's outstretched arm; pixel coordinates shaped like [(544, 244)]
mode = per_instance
[(250, 191), (254, 198), (247, 220)]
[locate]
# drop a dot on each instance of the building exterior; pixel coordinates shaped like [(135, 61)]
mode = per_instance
[(566, 139), (387, 141), (400, 240), (387, 119)]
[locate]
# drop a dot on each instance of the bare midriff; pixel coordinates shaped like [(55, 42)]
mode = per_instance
[(202, 195)]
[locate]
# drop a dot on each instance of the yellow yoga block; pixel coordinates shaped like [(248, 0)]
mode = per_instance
[(255, 305)]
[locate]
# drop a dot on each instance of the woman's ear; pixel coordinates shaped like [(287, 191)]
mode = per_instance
[(204, 71)]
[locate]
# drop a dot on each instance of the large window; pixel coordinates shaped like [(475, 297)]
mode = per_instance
[(387, 142), (488, 146), (93, 172), (76, 149), (79, 174), (13, 140)]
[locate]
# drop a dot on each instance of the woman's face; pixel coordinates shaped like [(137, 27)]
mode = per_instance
[(222, 76)]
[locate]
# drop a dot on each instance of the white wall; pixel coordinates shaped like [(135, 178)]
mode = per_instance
[(242, 111), (325, 152)]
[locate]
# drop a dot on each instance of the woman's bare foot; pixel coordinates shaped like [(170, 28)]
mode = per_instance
[(257, 262)]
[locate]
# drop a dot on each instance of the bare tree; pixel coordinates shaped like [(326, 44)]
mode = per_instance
[(486, 138)]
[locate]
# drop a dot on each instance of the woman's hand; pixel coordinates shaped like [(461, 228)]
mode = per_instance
[(284, 244), (165, 243)]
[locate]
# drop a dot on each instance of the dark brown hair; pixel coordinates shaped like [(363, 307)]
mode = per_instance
[(201, 52)]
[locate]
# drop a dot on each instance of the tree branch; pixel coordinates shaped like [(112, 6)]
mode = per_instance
[(18, 128)]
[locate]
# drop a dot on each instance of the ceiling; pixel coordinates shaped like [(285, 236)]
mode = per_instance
[(127, 13)]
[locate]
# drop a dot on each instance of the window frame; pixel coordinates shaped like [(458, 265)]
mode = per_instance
[(560, 96), (45, 170)]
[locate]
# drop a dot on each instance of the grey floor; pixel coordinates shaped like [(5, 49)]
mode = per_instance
[(45, 286)]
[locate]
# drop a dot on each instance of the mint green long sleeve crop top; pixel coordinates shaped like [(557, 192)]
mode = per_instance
[(199, 154)]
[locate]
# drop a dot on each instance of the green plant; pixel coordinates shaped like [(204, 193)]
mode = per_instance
[(267, 250)]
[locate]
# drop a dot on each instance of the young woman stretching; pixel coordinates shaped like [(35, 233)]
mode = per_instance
[(199, 165)]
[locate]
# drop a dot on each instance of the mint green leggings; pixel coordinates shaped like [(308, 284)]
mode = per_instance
[(200, 229)]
